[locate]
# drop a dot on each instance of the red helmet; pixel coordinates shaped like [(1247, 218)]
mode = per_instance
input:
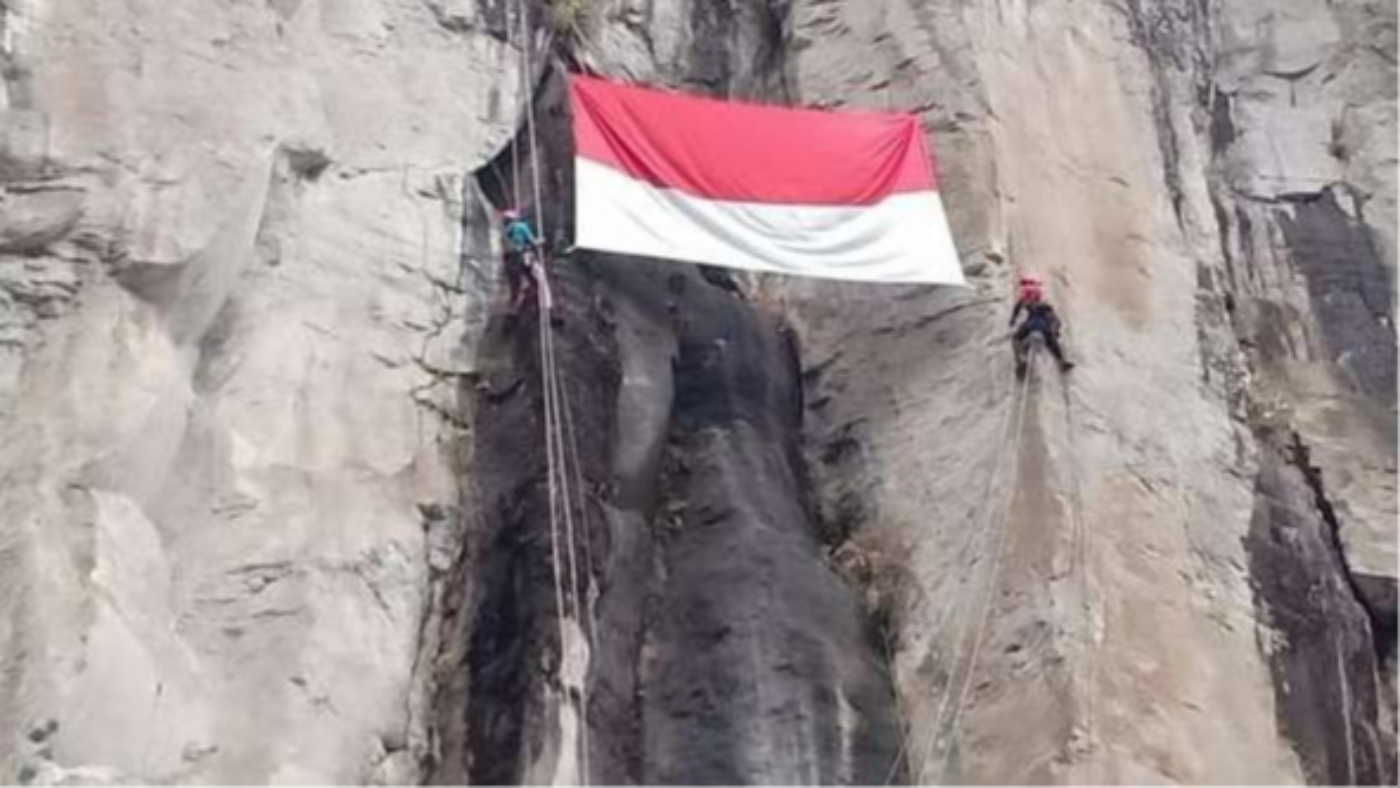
[(1030, 289)]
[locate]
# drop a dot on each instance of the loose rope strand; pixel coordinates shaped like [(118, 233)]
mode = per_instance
[(980, 534), (569, 504), (989, 594)]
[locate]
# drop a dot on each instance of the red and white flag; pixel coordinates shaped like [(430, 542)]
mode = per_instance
[(836, 195)]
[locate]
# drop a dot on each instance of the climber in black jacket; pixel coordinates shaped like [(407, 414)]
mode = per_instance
[(1041, 319)]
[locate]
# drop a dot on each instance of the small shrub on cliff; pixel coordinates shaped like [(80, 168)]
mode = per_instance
[(876, 561), (570, 19)]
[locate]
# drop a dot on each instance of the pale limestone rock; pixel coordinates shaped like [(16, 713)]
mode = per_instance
[(236, 299), (1069, 144), (1312, 93), (244, 301)]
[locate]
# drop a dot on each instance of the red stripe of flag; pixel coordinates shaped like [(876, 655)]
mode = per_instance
[(749, 153)]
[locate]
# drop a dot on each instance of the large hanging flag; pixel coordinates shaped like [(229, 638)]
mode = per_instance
[(836, 195)]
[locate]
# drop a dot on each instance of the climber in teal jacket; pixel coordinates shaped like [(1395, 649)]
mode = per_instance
[(522, 257)]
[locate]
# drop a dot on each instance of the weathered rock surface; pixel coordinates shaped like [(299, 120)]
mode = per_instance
[(1131, 633), (233, 300), (724, 648), (1303, 123), (262, 524)]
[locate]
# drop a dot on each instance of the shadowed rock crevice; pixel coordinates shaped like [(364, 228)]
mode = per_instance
[(726, 649), (495, 721), (765, 668), (1350, 289), (271, 481), (1169, 34), (1310, 303), (1325, 655)]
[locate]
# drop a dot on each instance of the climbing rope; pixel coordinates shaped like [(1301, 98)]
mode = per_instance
[(564, 504), (526, 49), (970, 548), (568, 475), (524, 83), (1083, 554), (585, 521), (547, 387), (1010, 437), (571, 584), (985, 607), (1082, 569)]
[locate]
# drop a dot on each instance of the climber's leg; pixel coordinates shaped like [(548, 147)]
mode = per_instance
[(516, 280), (1052, 341), (1019, 344)]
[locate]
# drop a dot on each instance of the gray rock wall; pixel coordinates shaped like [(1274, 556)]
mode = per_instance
[(262, 523), (1118, 150), (235, 292)]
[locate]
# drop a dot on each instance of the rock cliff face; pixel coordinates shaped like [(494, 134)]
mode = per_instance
[(271, 460), (234, 299)]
